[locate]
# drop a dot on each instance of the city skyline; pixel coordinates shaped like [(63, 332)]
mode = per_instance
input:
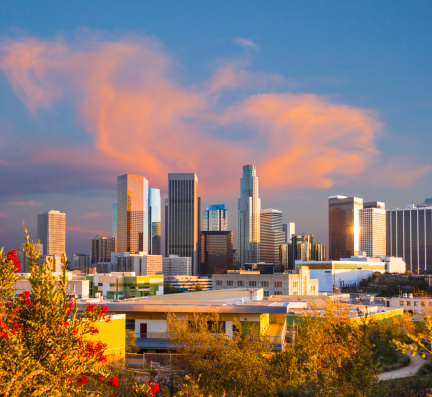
[(325, 99)]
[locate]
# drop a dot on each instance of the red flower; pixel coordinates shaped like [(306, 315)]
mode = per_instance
[(113, 382), (11, 256), (82, 380), (102, 359), (94, 331), (70, 379), (104, 310), (90, 307), (101, 378)]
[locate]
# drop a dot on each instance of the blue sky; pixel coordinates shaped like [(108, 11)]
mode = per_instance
[(324, 97)]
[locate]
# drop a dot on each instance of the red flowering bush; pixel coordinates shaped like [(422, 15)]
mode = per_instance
[(46, 346), (146, 389)]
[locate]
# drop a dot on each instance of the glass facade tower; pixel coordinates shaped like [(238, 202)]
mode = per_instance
[(249, 207), (132, 213), (215, 218), (183, 217), (114, 220), (216, 252), (154, 222), (344, 226)]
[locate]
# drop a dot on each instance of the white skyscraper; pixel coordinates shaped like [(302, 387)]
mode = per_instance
[(52, 232), (249, 207), (272, 235)]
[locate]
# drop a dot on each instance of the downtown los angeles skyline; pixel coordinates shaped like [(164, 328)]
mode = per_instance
[(324, 98)]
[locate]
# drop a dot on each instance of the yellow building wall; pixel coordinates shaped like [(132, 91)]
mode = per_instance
[(113, 333)]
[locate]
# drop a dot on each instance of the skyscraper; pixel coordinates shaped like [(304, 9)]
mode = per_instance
[(249, 207), (215, 218), (114, 220), (101, 248), (373, 231), (272, 235), (183, 217), (344, 227), (132, 213), (154, 222), (409, 236), (52, 232), (216, 252)]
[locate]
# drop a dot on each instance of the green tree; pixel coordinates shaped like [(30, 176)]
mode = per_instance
[(221, 364), (47, 348), (198, 287), (131, 346)]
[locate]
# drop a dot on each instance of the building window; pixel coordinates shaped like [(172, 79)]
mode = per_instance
[(313, 288), (295, 284), (278, 292), (401, 303), (415, 303), (218, 282), (252, 283), (229, 282), (240, 283), (264, 284), (408, 303), (266, 293), (278, 284)]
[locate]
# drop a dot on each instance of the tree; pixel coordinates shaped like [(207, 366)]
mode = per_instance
[(47, 348), (131, 346), (198, 287), (220, 363)]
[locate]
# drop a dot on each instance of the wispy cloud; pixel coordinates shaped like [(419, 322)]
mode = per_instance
[(86, 231), (3, 214), (143, 120), (29, 203), (89, 215), (245, 43)]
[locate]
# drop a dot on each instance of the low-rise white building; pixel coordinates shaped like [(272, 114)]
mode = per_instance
[(188, 283), (174, 265), (348, 272), (299, 283), (141, 264)]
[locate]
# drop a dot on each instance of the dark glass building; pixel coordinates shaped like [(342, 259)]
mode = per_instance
[(183, 217), (216, 252), (344, 227)]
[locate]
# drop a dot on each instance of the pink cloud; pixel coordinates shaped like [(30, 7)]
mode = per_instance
[(143, 120), (4, 214), (86, 231), (89, 215), (29, 203)]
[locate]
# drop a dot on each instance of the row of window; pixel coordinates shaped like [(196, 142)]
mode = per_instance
[(408, 303), (241, 283)]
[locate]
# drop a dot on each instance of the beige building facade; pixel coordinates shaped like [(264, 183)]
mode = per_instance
[(298, 283)]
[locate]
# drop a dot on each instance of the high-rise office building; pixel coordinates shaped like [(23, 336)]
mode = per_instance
[(132, 213), (344, 226), (216, 252), (409, 236), (101, 248), (215, 218), (302, 247), (272, 235), (289, 230), (319, 252), (373, 231), (52, 232), (154, 222), (249, 207), (114, 220), (183, 217)]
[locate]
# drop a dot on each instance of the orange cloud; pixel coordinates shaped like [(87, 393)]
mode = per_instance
[(143, 120)]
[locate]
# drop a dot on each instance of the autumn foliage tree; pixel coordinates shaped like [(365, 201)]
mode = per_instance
[(47, 348)]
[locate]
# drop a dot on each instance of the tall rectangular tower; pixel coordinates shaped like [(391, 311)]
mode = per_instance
[(215, 218), (344, 226), (272, 235), (52, 232), (249, 207), (154, 222), (373, 231), (183, 217), (409, 236), (132, 213)]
